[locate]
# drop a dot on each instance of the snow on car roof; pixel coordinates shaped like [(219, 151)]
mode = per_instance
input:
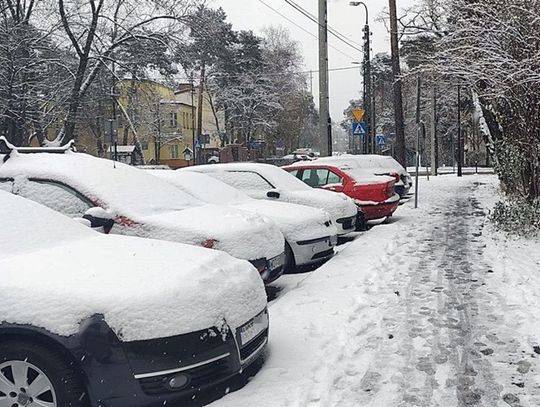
[(116, 186), (278, 177), (56, 273), (367, 161), (203, 187), (360, 175)]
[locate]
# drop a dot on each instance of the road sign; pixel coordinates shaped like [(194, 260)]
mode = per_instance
[(359, 129), (359, 114), (380, 139)]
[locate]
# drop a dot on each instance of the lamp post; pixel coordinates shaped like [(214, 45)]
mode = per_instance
[(368, 106)]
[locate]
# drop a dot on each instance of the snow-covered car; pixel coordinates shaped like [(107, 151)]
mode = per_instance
[(309, 233), (265, 181), (377, 165), (90, 320), (125, 200), (375, 195)]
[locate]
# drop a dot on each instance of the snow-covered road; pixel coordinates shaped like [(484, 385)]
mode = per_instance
[(433, 308)]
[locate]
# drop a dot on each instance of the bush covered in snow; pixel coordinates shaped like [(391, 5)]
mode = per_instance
[(517, 216)]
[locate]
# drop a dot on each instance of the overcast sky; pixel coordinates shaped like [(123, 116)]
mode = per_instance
[(344, 85)]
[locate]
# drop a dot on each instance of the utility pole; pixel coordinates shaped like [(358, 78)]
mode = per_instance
[(193, 119), (434, 139), (311, 82), (200, 108), (419, 134), (367, 87), (324, 114), (398, 97), (459, 141)]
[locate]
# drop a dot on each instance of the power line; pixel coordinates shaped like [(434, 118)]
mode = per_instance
[(331, 30), (269, 75), (304, 30)]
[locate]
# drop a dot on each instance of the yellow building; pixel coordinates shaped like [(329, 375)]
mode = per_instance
[(164, 127)]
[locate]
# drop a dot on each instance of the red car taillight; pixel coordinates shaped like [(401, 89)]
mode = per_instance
[(390, 189), (209, 243)]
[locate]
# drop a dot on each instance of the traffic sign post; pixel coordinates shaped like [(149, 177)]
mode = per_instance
[(359, 115), (359, 129)]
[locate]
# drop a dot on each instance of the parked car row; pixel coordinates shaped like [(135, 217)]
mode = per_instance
[(125, 286)]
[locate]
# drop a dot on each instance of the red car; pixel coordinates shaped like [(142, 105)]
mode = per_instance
[(374, 195)]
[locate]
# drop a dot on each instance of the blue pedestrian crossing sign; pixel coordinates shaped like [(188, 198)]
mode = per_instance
[(380, 139), (359, 129)]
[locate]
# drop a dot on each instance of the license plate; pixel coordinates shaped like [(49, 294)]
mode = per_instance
[(253, 328)]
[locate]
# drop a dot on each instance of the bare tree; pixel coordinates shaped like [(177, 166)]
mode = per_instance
[(97, 29)]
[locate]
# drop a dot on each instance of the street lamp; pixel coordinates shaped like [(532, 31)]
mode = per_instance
[(367, 98)]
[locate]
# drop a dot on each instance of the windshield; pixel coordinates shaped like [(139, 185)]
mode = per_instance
[(282, 179), (203, 187)]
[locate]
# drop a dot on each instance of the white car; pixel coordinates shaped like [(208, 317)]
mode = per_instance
[(309, 234), (125, 200), (265, 181), (377, 165), (91, 320)]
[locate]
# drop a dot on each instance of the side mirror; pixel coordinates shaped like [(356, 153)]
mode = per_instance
[(99, 217), (274, 194)]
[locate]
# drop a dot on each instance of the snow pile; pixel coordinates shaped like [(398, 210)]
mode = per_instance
[(56, 273), (296, 222)]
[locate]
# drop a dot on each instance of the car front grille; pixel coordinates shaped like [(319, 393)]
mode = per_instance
[(247, 351), (201, 376)]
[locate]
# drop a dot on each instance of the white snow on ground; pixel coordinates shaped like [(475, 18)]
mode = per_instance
[(56, 273), (433, 308)]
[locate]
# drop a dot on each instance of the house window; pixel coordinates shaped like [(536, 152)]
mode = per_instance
[(173, 119), (174, 151)]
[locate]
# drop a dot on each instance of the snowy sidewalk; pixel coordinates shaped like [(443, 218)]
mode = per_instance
[(432, 309)]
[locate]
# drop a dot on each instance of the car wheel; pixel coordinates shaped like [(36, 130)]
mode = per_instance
[(361, 224), (290, 264), (31, 374)]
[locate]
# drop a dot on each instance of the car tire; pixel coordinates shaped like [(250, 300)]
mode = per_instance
[(290, 263), (361, 224), (44, 368)]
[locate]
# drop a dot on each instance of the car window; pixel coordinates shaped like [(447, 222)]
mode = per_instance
[(56, 196), (6, 185), (333, 178), (244, 180), (315, 177)]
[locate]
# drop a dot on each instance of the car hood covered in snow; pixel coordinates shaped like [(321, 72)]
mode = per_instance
[(337, 205), (242, 234), (297, 222), (56, 273)]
